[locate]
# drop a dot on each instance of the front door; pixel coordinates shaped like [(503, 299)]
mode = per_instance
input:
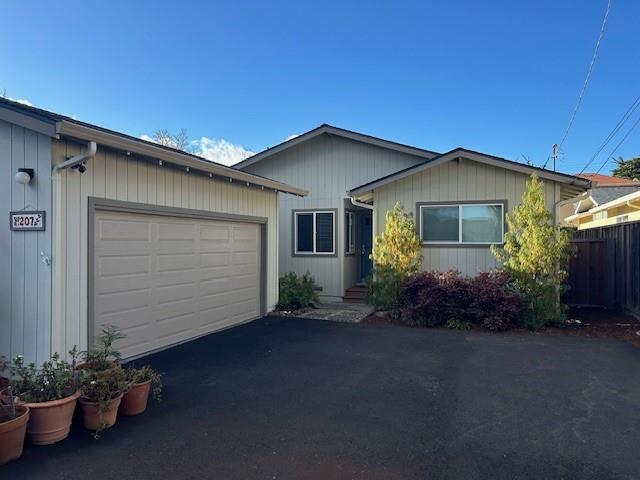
[(366, 236)]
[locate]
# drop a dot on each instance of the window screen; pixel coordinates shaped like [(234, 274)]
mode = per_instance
[(324, 232), (481, 223)]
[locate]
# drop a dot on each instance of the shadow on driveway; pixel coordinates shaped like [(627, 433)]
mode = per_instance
[(293, 398)]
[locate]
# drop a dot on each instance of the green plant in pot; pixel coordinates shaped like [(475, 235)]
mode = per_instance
[(102, 392), (50, 392), (13, 427), (103, 355), (141, 381)]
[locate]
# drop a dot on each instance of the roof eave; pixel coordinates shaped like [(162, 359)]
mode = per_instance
[(148, 149)]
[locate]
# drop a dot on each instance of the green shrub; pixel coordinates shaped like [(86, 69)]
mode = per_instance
[(536, 254), (395, 255), (297, 292)]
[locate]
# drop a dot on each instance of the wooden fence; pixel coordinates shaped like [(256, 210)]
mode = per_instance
[(606, 269)]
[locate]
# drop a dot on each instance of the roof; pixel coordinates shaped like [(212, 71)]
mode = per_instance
[(600, 180), (631, 197), (579, 183), (326, 129), (61, 126)]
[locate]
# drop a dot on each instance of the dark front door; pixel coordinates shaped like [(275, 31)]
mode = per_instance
[(366, 238)]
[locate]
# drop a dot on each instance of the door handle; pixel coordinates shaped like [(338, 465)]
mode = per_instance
[(363, 251)]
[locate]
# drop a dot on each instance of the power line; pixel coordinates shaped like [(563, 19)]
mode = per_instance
[(618, 145), (587, 78), (632, 108)]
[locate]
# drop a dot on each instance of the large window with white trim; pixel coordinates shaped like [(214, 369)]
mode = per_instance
[(314, 232), (468, 223)]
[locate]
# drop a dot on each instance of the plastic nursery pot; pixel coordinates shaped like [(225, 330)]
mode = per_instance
[(12, 435), (94, 419), (134, 402), (50, 422)]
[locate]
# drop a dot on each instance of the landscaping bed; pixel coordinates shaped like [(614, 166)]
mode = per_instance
[(595, 323)]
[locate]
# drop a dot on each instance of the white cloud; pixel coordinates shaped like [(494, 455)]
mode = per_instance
[(291, 137), (21, 100), (219, 150)]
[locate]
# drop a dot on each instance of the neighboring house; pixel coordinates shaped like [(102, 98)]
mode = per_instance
[(604, 207), (163, 244), (459, 200), (604, 188)]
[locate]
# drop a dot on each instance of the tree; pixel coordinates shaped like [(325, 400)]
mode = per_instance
[(179, 140), (627, 168), (536, 254), (395, 255)]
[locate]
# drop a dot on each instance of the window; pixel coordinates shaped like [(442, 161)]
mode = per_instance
[(350, 238), (314, 232), (475, 223)]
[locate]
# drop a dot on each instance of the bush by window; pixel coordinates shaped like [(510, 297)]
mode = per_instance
[(297, 291)]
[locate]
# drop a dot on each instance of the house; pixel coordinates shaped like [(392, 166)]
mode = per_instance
[(459, 200), (105, 228), (604, 207), (604, 188)]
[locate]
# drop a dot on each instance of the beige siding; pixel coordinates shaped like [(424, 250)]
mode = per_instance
[(25, 280), (327, 167), (462, 180), (115, 175)]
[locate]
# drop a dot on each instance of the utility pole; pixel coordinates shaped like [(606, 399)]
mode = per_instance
[(554, 155)]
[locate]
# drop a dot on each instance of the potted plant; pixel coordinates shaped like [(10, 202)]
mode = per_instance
[(13, 426), (103, 355), (50, 393), (141, 381), (101, 393)]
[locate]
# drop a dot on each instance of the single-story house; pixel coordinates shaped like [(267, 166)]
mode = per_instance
[(459, 200), (596, 210), (604, 188), (105, 228)]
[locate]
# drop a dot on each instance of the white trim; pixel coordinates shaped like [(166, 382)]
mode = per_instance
[(460, 207), (350, 234), (313, 213)]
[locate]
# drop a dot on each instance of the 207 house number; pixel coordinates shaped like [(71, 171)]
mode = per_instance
[(21, 221)]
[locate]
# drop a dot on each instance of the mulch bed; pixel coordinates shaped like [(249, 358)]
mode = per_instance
[(595, 323)]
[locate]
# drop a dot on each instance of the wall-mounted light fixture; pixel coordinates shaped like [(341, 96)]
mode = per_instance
[(24, 175)]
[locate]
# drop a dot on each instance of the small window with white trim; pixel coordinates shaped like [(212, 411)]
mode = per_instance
[(314, 232), (469, 223), (350, 238)]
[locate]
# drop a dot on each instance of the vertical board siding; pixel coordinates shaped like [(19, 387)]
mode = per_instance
[(117, 176), (326, 166), (463, 180), (25, 281)]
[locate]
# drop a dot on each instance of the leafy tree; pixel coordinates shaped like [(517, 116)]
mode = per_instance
[(627, 168), (536, 254), (395, 255)]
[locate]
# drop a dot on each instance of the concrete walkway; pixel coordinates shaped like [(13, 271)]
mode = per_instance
[(338, 312)]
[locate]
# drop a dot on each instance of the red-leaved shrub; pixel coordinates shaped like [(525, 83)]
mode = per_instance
[(431, 299)]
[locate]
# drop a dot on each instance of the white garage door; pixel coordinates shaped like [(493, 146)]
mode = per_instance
[(164, 279)]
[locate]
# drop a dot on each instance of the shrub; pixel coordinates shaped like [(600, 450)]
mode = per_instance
[(297, 292), (536, 254), (445, 298), (103, 354), (145, 374), (395, 255)]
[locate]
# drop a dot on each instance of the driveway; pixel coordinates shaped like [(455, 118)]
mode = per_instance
[(285, 398)]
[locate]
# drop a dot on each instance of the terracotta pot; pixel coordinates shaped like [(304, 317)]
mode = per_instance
[(94, 419), (50, 422), (134, 402), (12, 436)]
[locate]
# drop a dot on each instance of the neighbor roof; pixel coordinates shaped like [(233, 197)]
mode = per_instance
[(602, 195), (460, 152), (57, 126), (339, 132), (600, 180)]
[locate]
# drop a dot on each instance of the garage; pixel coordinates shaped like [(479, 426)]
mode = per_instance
[(163, 277), (109, 229)]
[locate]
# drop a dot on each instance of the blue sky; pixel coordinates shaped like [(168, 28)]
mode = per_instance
[(500, 77)]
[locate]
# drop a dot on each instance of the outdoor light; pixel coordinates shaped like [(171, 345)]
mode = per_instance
[(24, 175)]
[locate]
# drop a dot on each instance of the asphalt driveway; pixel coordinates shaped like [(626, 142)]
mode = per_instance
[(285, 398)]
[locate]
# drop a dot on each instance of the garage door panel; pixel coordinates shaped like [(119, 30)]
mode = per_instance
[(163, 280)]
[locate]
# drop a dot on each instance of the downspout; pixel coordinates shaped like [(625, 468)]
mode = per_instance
[(368, 207), (58, 341)]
